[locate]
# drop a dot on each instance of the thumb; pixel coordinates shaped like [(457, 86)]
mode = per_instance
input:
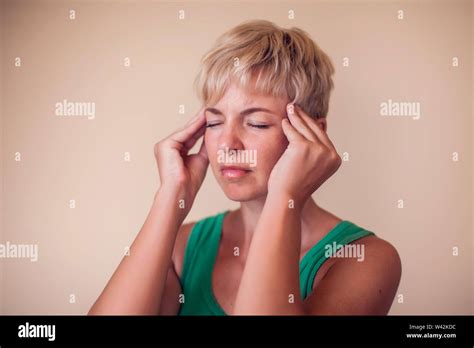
[(203, 151), (199, 162)]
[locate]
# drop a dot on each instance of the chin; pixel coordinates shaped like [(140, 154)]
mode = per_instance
[(241, 193)]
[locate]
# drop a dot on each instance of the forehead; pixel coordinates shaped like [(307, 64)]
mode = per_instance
[(236, 96)]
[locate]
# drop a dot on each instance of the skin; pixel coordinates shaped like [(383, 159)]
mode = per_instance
[(294, 158)]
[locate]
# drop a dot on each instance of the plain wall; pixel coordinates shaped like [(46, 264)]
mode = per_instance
[(472, 146), (1, 151), (390, 158)]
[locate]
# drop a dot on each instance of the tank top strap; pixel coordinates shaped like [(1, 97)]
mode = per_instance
[(343, 233)]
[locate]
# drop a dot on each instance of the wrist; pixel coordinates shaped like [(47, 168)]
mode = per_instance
[(284, 200), (174, 199), (168, 192)]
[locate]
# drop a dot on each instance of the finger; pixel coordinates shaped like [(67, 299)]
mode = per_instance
[(299, 124), (320, 134), (193, 126), (198, 114), (290, 132), (188, 144), (199, 161)]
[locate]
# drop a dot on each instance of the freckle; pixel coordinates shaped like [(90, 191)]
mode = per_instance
[(380, 291)]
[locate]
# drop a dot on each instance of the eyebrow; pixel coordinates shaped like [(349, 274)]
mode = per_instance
[(242, 113)]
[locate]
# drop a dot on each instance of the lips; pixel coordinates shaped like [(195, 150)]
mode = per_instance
[(234, 172)]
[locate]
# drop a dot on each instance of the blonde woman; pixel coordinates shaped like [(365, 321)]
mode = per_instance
[(265, 91)]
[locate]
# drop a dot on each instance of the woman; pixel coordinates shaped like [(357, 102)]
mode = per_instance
[(265, 93)]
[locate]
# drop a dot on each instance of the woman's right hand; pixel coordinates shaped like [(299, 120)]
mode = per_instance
[(179, 171)]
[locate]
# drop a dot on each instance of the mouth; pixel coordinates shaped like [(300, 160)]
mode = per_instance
[(234, 172)]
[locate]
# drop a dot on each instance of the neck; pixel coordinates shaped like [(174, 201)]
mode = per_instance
[(246, 218)]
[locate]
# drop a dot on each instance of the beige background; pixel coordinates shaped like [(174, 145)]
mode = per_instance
[(390, 158)]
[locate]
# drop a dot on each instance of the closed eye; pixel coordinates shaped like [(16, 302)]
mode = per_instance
[(260, 126), (210, 125)]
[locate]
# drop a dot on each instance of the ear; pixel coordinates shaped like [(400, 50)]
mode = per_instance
[(322, 123)]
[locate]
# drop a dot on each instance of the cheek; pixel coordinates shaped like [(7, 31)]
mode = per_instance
[(270, 151)]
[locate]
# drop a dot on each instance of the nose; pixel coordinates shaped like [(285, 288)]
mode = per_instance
[(230, 137)]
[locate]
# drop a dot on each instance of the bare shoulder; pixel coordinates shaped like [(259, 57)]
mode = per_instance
[(377, 277), (360, 286), (381, 253), (380, 261)]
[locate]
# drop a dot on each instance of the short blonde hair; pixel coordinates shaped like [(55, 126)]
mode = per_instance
[(287, 63)]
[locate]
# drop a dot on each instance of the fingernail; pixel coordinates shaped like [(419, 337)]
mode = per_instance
[(290, 108)]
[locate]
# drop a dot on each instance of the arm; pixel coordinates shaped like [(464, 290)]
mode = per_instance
[(143, 278), (271, 276), (270, 281)]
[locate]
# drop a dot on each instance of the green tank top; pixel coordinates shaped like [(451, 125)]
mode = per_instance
[(201, 251)]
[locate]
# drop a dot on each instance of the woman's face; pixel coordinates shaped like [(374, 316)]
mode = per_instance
[(244, 140)]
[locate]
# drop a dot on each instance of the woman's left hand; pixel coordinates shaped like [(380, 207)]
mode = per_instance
[(308, 161)]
